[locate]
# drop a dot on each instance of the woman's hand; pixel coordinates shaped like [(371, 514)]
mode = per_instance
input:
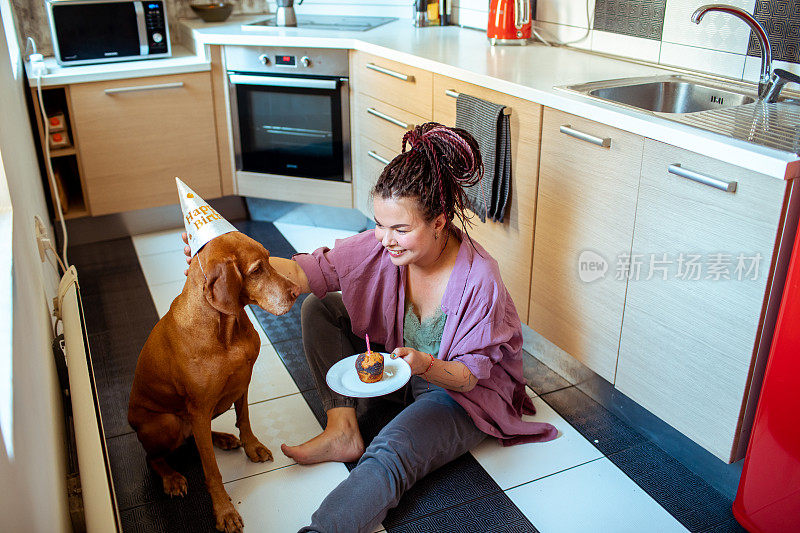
[(419, 362), (187, 251)]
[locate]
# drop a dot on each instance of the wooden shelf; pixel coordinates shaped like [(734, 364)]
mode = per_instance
[(63, 151)]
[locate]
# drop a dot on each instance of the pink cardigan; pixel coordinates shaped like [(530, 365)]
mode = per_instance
[(482, 330)]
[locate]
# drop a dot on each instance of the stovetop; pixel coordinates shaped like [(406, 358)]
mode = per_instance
[(323, 22)]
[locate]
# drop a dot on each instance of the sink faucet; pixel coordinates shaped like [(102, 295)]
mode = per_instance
[(766, 51)]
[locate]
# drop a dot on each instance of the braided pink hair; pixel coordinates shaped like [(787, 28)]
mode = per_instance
[(441, 161)]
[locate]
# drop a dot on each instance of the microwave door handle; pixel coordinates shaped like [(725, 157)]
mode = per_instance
[(274, 81), (144, 48)]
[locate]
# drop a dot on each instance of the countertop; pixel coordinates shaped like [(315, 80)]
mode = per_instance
[(528, 72)]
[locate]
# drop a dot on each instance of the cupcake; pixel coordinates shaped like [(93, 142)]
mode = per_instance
[(369, 366)]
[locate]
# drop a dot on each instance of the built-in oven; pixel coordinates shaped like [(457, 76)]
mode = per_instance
[(290, 123)]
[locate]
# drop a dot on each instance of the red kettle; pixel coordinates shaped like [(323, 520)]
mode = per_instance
[(509, 22)]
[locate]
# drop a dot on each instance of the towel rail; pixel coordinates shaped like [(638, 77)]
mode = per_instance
[(454, 94)]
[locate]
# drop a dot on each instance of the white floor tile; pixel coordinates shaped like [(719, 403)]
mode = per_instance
[(257, 325), (270, 377), (596, 496), (284, 499), (163, 267), (158, 242), (164, 293), (309, 238), (283, 420), (513, 465)]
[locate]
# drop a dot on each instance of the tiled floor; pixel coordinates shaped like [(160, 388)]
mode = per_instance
[(598, 475)]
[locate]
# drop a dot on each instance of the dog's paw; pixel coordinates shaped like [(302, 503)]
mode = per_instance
[(257, 452), (225, 441), (229, 520), (175, 484)]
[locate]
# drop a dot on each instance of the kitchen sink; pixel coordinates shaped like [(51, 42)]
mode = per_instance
[(664, 94)]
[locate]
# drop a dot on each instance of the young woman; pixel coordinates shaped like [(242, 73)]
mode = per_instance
[(426, 292)]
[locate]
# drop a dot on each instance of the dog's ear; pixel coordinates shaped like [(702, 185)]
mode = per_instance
[(223, 287)]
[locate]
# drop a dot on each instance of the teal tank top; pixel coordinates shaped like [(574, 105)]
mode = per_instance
[(423, 336)]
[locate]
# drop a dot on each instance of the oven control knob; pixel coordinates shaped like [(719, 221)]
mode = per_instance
[(264, 58), (157, 37), (305, 61)]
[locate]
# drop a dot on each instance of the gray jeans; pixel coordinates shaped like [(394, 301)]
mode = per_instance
[(431, 431)]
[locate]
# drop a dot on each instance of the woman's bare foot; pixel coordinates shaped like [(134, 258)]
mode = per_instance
[(341, 441)]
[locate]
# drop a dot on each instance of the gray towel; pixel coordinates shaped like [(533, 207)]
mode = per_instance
[(492, 130)]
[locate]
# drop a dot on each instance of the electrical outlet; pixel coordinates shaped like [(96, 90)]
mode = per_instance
[(42, 240)]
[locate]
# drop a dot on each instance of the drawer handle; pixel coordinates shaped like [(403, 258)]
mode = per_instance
[(678, 170), (454, 94), (387, 118), (118, 90), (605, 142), (375, 156), (392, 73)]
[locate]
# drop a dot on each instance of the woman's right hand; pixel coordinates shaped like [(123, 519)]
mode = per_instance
[(187, 251)]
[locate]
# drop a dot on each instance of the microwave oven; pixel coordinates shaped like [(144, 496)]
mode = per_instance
[(99, 31)]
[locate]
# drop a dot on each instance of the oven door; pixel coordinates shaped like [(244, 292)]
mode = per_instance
[(291, 126)]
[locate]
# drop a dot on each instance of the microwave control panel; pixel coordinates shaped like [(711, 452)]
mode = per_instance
[(155, 23)]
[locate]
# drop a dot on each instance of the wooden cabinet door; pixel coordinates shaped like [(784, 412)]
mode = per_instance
[(687, 344), (510, 242), (136, 135), (373, 158), (584, 224)]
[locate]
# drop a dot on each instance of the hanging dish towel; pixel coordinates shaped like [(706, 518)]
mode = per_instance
[(492, 130)]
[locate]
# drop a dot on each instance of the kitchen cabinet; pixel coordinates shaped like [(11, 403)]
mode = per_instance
[(136, 135), (693, 313), (588, 184), (388, 98), (510, 242), (395, 83)]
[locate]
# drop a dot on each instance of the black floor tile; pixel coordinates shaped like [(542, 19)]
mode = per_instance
[(294, 359), (600, 427), (541, 379), (267, 234), (114, 364), (494, 513), (729, 526), (456, 483), (692, 501)]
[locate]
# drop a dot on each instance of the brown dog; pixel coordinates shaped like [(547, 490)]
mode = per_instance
[(198, 360)]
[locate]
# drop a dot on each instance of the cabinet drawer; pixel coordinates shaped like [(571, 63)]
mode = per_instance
[(395, 83), (384, 123), (372, 159), (585, 214), (136, 135), (687, 344)]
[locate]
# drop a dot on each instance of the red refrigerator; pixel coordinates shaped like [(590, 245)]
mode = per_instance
[(768, 499)]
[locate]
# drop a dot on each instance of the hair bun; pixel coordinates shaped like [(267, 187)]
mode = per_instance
[(453, 152)]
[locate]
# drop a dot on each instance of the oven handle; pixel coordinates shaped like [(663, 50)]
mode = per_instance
[(272, 81)]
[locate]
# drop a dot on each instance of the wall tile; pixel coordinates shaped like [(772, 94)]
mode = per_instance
[(569, 12), (472, 19), (637, 18), (781, 19), (717, 31), (560, 33), (624, 45), (702, 59), (752, 69)]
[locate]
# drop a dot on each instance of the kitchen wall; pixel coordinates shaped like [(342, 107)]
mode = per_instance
[(661, 31), (32, 447)]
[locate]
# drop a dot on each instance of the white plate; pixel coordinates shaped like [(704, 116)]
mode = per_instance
[(343, 378)]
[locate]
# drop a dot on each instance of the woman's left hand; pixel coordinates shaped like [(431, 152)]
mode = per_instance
[(418, 361)]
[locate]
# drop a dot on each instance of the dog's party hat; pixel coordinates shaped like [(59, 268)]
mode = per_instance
[(202, 221)]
